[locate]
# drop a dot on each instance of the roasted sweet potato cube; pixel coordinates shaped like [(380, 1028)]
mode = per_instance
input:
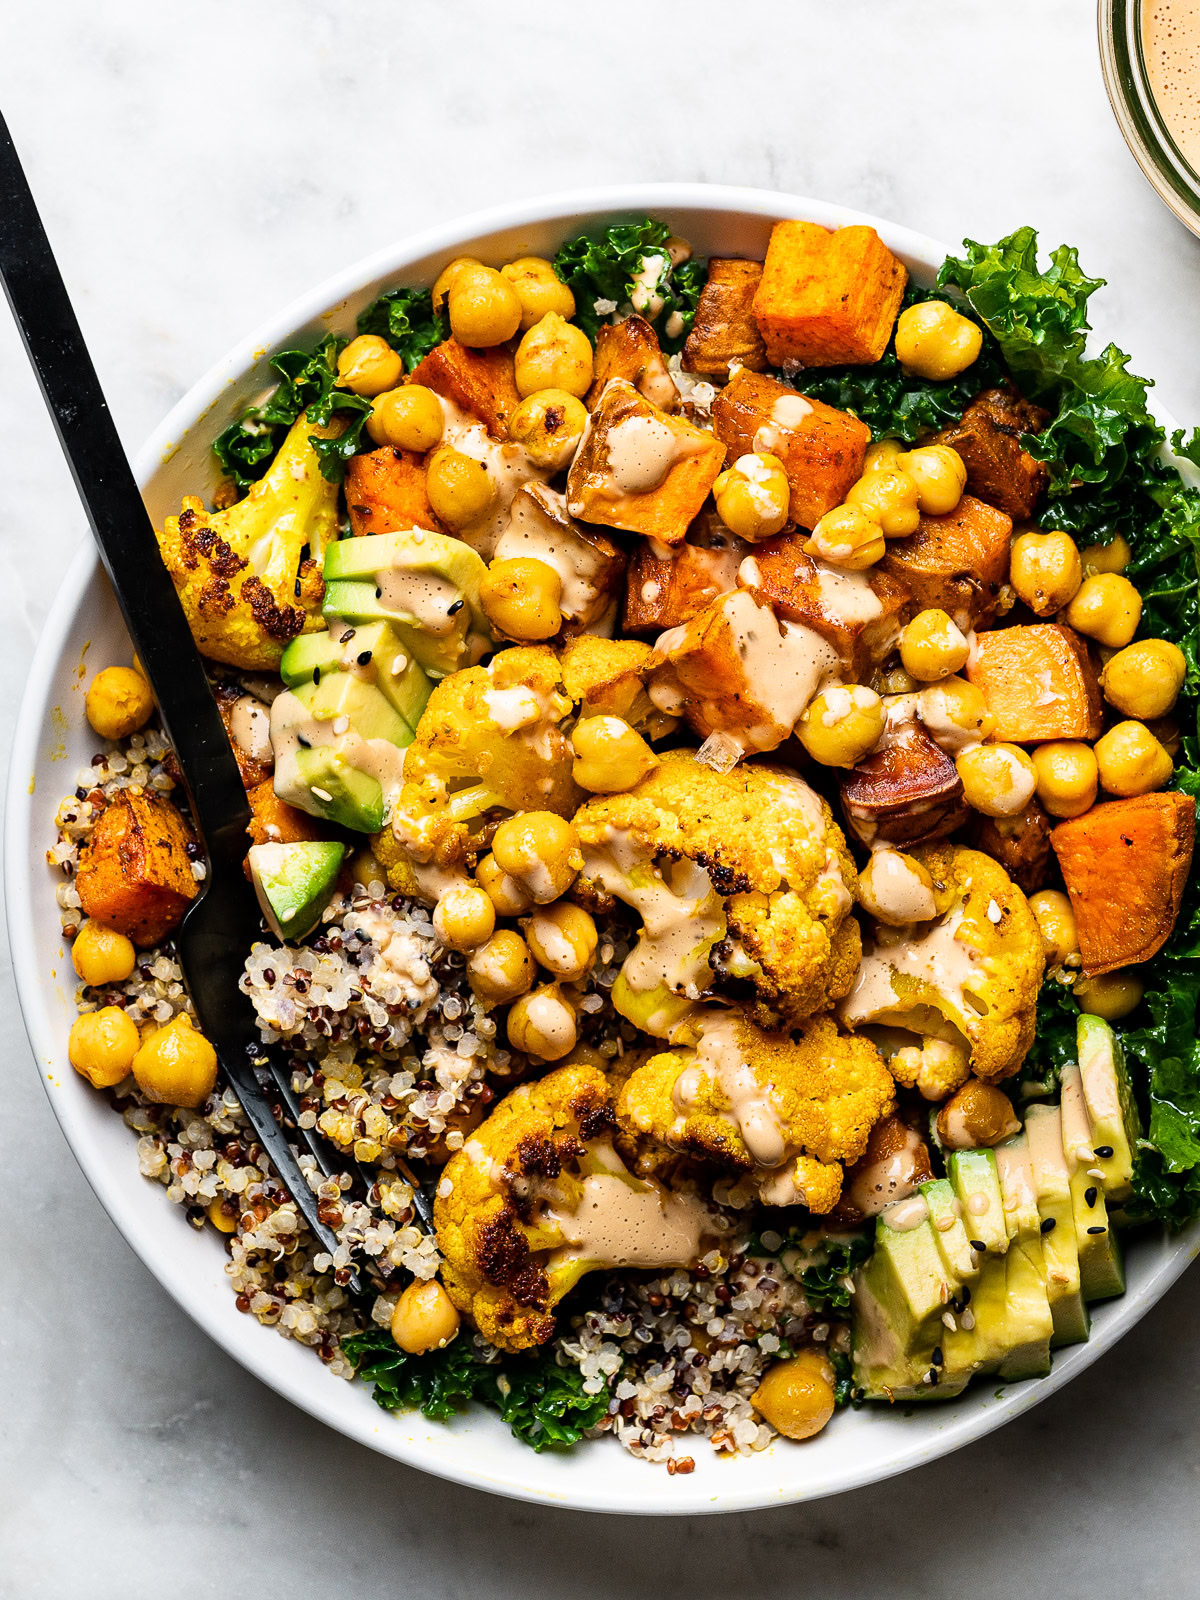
[(1021, 845), (1125, 864), (588, 562), (821, 448), (630, 349), (480, 381), (664, 591), (905, 794), (135, 872), (827, 297), (724, 330), (386, 492), (989, 441), (1039, 683), (639, 469), (957, 563), (274, 821), (253, 769)]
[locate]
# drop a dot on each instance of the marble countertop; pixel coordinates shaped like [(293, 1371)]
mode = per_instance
[(200, 163)]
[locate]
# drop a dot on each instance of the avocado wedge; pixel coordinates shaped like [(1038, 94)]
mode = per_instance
[(373, 653), (977, 1186), (294, 883), (1111, 1108), (1101, 1259), (1051, 1180)]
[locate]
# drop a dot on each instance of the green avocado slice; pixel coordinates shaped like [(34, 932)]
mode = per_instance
[(973, 1175), (372, 652), (1051, 1179), (1112, 1110), (1101, 1259), (901, 1298), (294, 883), (960, 1261)]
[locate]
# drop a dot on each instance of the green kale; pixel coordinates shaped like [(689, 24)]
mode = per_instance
[(407, 320), (1053, 1045), (845, 1391), (543, 1402), (830, 1258), (602, 266)]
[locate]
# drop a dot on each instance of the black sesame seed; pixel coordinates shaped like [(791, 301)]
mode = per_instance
[(364, 658), (977, 1244), (937, 1357), (456, 607), (347, 636), (1097, 1230), (1104, 1150), (933, 1377), (1090, 1195), (379, 594), (316, 674), (965, 1297), (1048, 1224)]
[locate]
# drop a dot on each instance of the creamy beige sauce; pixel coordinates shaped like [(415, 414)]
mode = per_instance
[(621, 1222), (644, 296), (508, 466), (904, 1215), (936, 957), (641, 452), (787, 413), (250, 722), (1171, 45), (554, 1021), (878, 1183), (847, 596), (1016, 1177), (293, 727), (1076, 1129), (721, 1060), (541, 529), (513, 708), (894, 891), (425, 597)]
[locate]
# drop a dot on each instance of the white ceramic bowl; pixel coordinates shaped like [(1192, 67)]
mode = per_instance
[(84, 631)]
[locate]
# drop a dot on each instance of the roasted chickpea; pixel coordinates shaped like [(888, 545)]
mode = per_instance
[(101, 955), (1107, 608), (484, 308), (753, 496), (1112, 995), (935, 341), (1144, 679), (176, 1065), (954, 713), (610, 756), (522, 598), (796, 1395), (409, 418), (998, 779), (464, 917), (1067, 776), (896, 889), (563, 939), (501, 969), (1045, 570), (460, 490), (933, 646), (542, 1023), (368, 365), (541, 851), (847, 537), (939, 475), (554, 354), (539, 289), (889, 498), (1114, 556), (976, 1117), (1056, 921), (508, 896), (885, 455), (118, 702), (464, 267), (842, 724), (1131, 760), (548, 427), (101, 1046), (424, 1318)]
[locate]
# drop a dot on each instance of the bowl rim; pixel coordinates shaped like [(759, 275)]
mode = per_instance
[(627, 1491)]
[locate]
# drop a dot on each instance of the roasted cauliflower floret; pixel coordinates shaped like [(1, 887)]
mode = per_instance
[(788, 1111), (958, 993), (607, 677), (743, 883), (538, 1197), (249, 578)]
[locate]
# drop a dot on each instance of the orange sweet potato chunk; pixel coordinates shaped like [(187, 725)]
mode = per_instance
[(135, 873), (989, 441), (724, 330), (480, 381), (386, 491), (1039, 683), (274, 821), (664, 591), (821, 448), (957, 563), (827, 297), (630, 349), (1125, 864)]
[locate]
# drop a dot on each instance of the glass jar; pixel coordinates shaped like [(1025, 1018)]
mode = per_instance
[(1123, 57)]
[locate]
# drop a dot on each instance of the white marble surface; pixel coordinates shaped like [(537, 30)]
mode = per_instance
[(199, 163)]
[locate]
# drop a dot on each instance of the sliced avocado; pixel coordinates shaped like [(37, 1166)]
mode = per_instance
[(333, 789), (900, 1299), (311, 653), (372, 652), (1051, 1180), (294, 883), (1112, 1110), (413, 550), (1101, 1259), (368, 713), (977, 1342), (961, 1262), (1029, 1323), (973, 1175), (438, 654)]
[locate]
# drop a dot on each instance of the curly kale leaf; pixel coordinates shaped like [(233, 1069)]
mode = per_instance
[(603, 266), (829, 1259), (1053, 1045), (845, 1390), (407, 320), (543, 1402)]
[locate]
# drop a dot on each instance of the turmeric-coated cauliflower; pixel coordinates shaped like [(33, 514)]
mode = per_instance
[(787, 1111), (537, 1197), (249, 578), (743, 883), (957, 994)]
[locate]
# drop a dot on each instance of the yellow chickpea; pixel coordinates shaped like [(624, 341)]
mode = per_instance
[(101, 1046), (101, 955), (539, 289), (954, 713), (522, 598), (118, 702), (796, 1396), (935, 341), (940, 477), (554, 354), (998, 779), (484, 308), (464, 917), (563, 939), (1045, 570), (548, 426), (462, 267), (1056, 922), (1114, 556), (842, 725), (847, 537), (933, 646), (542, 1023), (1067, 776), (501, 969), (889, 498), (896, 889), (1131, 760), (508, 897), (1112, 995), (368, 365), (176, 1065), (610, 756), (753, 496), (460, 490), (885, 455), (1144, 679), (1107, 608), (408, 418), (424, 1318), (541, 851)]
